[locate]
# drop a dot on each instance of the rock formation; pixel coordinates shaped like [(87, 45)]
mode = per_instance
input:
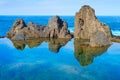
[(87, 26), (57, 28)]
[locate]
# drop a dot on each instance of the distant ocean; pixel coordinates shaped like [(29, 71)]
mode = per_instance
[(6, 22)]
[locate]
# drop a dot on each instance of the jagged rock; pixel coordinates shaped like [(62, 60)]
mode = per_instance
[(57, 28), (17, 27), (86, 25), (36, 31)]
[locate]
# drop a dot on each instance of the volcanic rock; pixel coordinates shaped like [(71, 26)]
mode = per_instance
[(57, 28), (87, 24)]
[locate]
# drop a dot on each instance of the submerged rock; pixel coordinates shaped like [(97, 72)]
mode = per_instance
[(57, 28), (86, 25)]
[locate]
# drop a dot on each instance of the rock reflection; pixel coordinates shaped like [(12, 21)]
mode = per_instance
[(54, 44), (86, 54)]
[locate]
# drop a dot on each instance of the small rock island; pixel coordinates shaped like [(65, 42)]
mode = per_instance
[(56, 28), (87, 27)]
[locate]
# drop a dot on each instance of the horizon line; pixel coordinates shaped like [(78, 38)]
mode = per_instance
[(49, 15)]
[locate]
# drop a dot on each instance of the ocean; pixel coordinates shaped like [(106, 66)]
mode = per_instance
[(57, 59)]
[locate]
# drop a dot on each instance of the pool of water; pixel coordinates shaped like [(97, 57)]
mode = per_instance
[(59, 59)]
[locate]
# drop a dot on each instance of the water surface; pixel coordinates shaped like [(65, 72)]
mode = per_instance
[(57, 59), (47, 59)]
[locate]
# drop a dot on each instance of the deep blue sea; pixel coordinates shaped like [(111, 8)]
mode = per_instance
[(43, 59)]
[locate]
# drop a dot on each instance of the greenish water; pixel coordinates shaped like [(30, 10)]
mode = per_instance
[(60, 59)]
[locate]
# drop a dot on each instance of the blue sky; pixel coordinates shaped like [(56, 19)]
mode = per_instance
[(57, 7)]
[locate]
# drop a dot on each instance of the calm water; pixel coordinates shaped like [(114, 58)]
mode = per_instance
[(59, 59)]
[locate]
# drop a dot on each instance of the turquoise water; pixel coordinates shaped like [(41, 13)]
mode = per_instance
[(57, 59), (43, 60)]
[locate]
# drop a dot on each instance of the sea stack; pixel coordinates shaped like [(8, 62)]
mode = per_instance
[(87, 26), (57, 28)]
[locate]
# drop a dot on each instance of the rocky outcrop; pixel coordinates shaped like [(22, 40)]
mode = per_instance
[(87, 25), (17, 28), (57, 28)]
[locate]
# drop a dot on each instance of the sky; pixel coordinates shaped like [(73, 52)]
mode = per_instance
[(57, 7)]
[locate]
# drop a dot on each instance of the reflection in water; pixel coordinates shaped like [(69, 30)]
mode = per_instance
[(86, 54), (83, 52), (54, 44)]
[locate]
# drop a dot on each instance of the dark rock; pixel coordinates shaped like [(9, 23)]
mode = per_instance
[(86, 25)]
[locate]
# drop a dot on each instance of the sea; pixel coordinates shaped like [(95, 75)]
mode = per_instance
[(57, 59)]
